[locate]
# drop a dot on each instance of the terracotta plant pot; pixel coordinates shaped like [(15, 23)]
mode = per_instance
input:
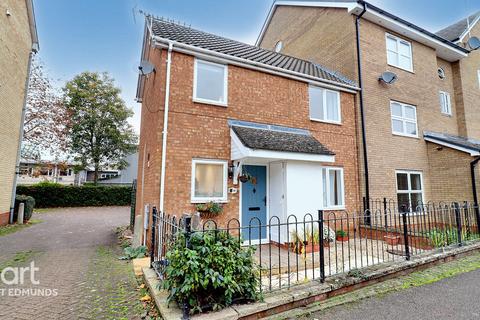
[(392, 240), (342, 238)]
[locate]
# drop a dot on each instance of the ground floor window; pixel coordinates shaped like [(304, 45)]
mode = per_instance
[(409, 190), (333, 191), (209, 180)]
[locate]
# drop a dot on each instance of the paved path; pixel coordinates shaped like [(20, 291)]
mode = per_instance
[(74, 249), (451, 298)]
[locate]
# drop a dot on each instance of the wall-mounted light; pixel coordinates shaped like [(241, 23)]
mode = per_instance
[(231, 169), (8, 13)]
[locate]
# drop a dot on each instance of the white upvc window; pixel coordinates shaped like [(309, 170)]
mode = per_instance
[(445, 104), (409, 189), (478, 76), (399, 53), (324, 105), (333, 188), (209, 180), (210, 82), (404, 119)]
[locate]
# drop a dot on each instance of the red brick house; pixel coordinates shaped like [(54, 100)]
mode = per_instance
[(215, 109)]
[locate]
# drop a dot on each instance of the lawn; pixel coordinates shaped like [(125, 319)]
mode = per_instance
[(12, 228)]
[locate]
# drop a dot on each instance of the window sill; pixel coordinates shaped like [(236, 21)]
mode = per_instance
[(334, 208), (211, 102), (400, 68), (197, 201), (447, 115), (338, 123), (405, 135)]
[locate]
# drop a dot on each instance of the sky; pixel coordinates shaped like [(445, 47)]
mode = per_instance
[(106, 35)]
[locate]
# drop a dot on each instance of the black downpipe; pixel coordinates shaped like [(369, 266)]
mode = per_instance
[(474, 190), (362, 113)]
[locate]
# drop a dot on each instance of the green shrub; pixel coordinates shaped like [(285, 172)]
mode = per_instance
[(29, 205), (213, 273), (48, 195), (134, 253), (448, 236)]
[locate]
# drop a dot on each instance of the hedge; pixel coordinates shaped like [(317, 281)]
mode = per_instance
[(55, 195), (28, 209)]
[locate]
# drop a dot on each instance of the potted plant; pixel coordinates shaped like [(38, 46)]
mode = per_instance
[(245, 177), (341, 235), (392, 239), (209, 210)]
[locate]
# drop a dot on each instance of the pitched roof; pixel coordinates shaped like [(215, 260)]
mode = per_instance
[(186, 35), (472, 145), (275, 140), (455, 31)]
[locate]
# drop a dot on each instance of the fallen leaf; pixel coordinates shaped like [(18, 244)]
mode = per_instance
[(145, 298)]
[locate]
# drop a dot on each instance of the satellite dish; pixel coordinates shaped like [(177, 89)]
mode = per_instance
[(388, 77), (473, 43), (146, 67)]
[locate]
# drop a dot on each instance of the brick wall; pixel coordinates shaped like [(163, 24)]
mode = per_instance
[(327, 36), (324, 35), (15, 45), (467, 83), (200, 130)]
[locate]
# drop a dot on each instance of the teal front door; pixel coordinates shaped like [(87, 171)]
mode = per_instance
[(254, 203)]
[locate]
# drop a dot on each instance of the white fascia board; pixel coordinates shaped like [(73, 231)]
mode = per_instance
[(443, 50), (243, 152), (472, 152), (214, 56), (350, 6)]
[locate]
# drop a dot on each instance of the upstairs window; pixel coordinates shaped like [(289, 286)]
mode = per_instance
[(399, 53), (333, 194), (210, 83), (445, 105), (209, 180), (324, 105), (404, 119)]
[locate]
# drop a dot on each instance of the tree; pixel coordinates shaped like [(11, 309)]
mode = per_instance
[(98, 132), (45, 116)]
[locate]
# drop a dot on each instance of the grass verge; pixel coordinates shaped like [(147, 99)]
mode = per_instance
[(18, 259), (12, 228)]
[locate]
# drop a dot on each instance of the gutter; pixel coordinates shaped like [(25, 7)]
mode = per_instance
[(362, 112), (474, 188), (165, 127), (225, 58), (20, 134)]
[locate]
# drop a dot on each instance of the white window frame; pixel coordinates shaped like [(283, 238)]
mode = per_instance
[(403, 119), (445, 101), (223, 198), (390, 63), (327, 183), (478, 76), (223, 103), (410, 191), (324, 104)]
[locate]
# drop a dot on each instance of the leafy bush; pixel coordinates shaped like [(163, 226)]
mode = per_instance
[(446, 237), (134, 253), (29, 205), (213, 273), (48, 195)]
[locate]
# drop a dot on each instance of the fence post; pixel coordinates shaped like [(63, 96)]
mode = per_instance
[(188, 234), (458, 220), (405, 234), (152, 244), (385, 212), (322, 254), (133, 201)]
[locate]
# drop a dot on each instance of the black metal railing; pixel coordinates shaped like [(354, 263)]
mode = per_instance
[(316, 246)]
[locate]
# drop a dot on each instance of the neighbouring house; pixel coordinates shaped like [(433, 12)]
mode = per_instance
[(110, 176), (19, 41), (214, 109), (35, 171), (421, 130)]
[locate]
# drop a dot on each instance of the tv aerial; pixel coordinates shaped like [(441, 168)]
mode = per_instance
[(388, 77), (146, 67)]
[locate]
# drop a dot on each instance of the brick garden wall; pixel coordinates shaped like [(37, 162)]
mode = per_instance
[(200, 130)]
